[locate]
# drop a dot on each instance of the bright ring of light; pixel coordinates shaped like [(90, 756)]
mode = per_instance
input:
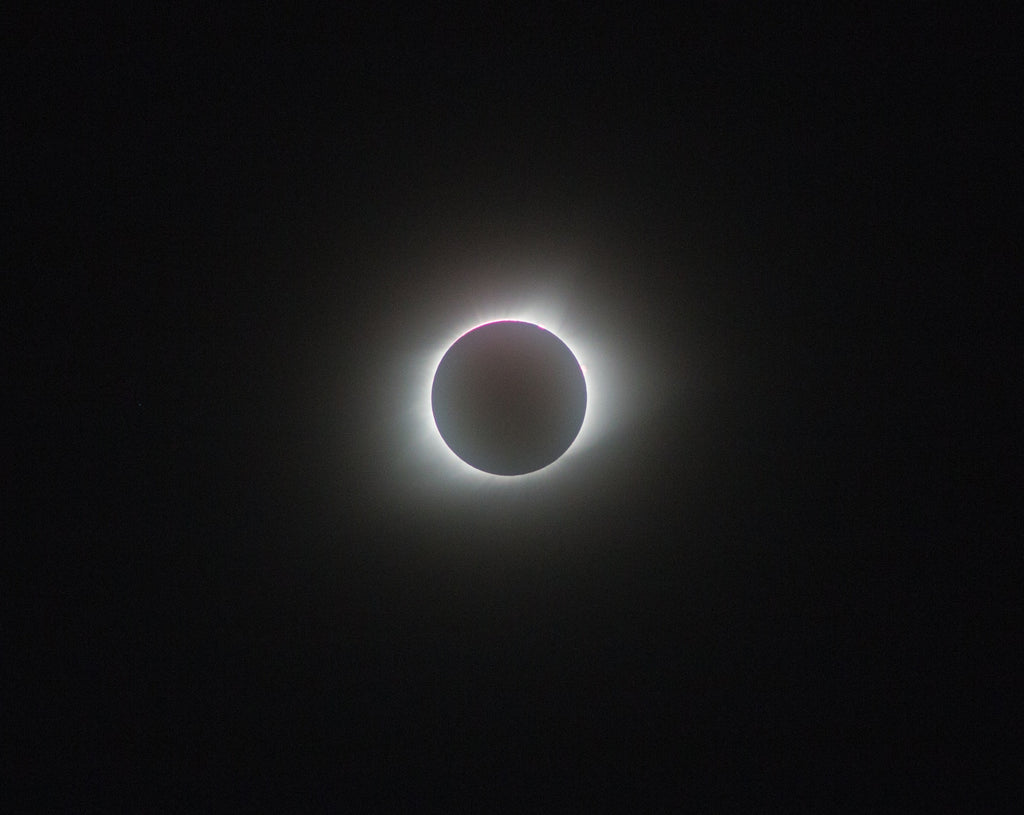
[(606, 403)]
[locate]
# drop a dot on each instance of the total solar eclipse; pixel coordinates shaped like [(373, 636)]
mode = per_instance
[(508, 398)]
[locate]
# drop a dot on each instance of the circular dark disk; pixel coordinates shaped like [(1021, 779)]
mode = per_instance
[(509, 398)]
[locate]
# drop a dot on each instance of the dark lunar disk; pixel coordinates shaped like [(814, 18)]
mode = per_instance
[(509, 398)]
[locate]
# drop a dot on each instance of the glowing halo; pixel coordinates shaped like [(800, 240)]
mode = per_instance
[(608, 398)]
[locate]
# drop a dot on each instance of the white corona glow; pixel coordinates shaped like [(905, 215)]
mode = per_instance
[(605, 400)]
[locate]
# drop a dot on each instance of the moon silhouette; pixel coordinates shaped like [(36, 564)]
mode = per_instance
[(509, 398)]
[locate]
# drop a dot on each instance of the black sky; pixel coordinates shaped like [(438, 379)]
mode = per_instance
[(771, 586)]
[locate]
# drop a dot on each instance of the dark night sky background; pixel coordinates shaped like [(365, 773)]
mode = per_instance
[(778, 583)]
